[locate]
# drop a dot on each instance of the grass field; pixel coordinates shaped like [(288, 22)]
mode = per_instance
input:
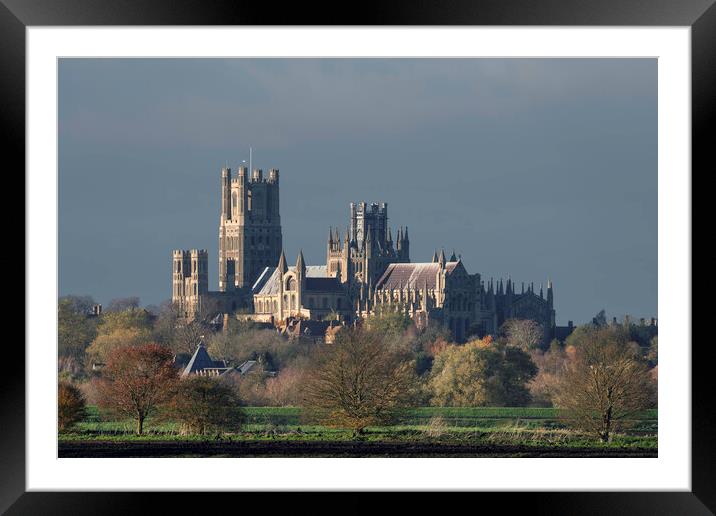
[(486, 428)]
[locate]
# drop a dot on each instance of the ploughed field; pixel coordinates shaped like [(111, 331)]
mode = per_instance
[(417, 432)]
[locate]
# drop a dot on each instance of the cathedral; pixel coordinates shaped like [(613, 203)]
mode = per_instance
[(366, 272)]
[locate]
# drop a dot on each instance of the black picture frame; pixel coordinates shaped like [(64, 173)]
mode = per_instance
[(16, 15)]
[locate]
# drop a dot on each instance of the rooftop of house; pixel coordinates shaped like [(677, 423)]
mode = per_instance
[(201, 360)]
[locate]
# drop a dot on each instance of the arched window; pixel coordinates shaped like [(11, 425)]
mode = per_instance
[(275, 306), (235, 201), (291, 284)]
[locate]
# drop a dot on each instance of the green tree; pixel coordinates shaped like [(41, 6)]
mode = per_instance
[(481, 372), (653, 355), (389, 323), (206, 405), (136, 318), (103, 345), (75, 330), (583, 334)]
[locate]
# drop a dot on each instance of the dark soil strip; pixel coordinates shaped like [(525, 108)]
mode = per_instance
[(328, 449)]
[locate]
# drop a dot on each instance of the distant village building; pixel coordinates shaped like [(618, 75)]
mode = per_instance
[(366, 272), (312, 331), (202, 364)]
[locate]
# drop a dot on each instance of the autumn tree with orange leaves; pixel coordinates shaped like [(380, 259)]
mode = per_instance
[(136, 381), (70, 406)]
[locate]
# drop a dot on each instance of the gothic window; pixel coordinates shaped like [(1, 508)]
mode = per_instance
[(235, 201), (291, 284), (275, 306)]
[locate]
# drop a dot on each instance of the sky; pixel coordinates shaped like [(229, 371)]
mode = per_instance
[(533, 168)]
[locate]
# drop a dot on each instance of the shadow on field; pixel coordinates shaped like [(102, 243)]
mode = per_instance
[(330, 449)]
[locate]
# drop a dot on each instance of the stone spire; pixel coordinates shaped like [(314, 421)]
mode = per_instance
[(300, 264), (282, 263)]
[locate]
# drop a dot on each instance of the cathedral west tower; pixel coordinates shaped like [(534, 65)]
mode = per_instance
[(249, 227)]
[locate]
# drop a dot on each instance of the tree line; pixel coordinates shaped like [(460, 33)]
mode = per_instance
[(599, 376)]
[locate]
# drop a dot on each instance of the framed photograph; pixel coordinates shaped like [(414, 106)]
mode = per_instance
[(419, 248)]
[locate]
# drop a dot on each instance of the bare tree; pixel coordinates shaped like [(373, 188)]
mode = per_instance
[(284, 389), (525, 334), (180, 333), (604, 384), (359, 380), (136, 380), (550, 366), (121, 304)]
